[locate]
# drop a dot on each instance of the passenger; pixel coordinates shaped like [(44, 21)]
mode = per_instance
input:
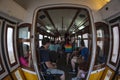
[(25, 59), (84, 52), (84, 64), (100, 57), (52, 46), (44, 58), (52, 52), (57, 46), (74, 57), (68, 49), (73, 43)]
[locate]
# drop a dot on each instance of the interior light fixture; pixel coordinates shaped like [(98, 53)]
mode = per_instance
[(73, 32), (81, 27), (48, 31)]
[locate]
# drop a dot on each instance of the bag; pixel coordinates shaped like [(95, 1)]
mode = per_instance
[(80, 60)]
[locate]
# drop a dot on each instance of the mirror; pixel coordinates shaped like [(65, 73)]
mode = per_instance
[(63, 23)]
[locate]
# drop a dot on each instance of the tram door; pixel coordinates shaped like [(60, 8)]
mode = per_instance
[(9, 62)]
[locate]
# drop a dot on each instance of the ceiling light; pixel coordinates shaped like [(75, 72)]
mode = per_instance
[(73, 32), (81, 27), (48, 31)]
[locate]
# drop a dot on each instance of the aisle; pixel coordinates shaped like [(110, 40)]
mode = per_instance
[(61, 63)]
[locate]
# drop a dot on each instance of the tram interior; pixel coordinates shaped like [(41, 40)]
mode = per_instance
[(91, 31)]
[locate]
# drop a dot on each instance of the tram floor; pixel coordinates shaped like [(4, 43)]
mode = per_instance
[(61, 64)]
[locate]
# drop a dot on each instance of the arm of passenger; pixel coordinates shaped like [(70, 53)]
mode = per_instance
[(49, 64)]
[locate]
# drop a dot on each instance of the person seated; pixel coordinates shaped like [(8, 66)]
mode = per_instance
[(75, 55), (25, 57), (82, 71), (84, 62), (83, 55), (45, 58)]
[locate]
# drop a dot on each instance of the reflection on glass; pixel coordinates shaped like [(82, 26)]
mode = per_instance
[(115, 44), (10, 45), (108, 75), (24, 33), (99, 33)]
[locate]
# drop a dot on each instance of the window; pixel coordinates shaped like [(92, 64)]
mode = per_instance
[(115, 44), (85, 38), (24, 46), (10, 45), (102, 48)]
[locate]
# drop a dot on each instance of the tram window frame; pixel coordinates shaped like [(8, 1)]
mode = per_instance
[(3, 70), (13, 43), (25, 40), (110, 61), (105, 46), (16, 63)]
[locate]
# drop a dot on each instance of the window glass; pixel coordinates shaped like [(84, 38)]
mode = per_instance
[(10, 45), (115, 44), (24, 33), (99, 33)]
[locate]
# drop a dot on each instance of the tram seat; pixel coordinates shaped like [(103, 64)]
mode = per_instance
[(47, 75), (53, 56)]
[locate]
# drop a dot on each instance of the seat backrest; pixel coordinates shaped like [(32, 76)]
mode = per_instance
[(43, 67)]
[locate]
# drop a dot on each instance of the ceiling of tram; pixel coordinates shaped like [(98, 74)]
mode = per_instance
[(62, 20), (93, 4)]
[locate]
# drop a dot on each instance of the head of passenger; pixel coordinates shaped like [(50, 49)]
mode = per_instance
[(82, 43), (26, 53), (46, 42)]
